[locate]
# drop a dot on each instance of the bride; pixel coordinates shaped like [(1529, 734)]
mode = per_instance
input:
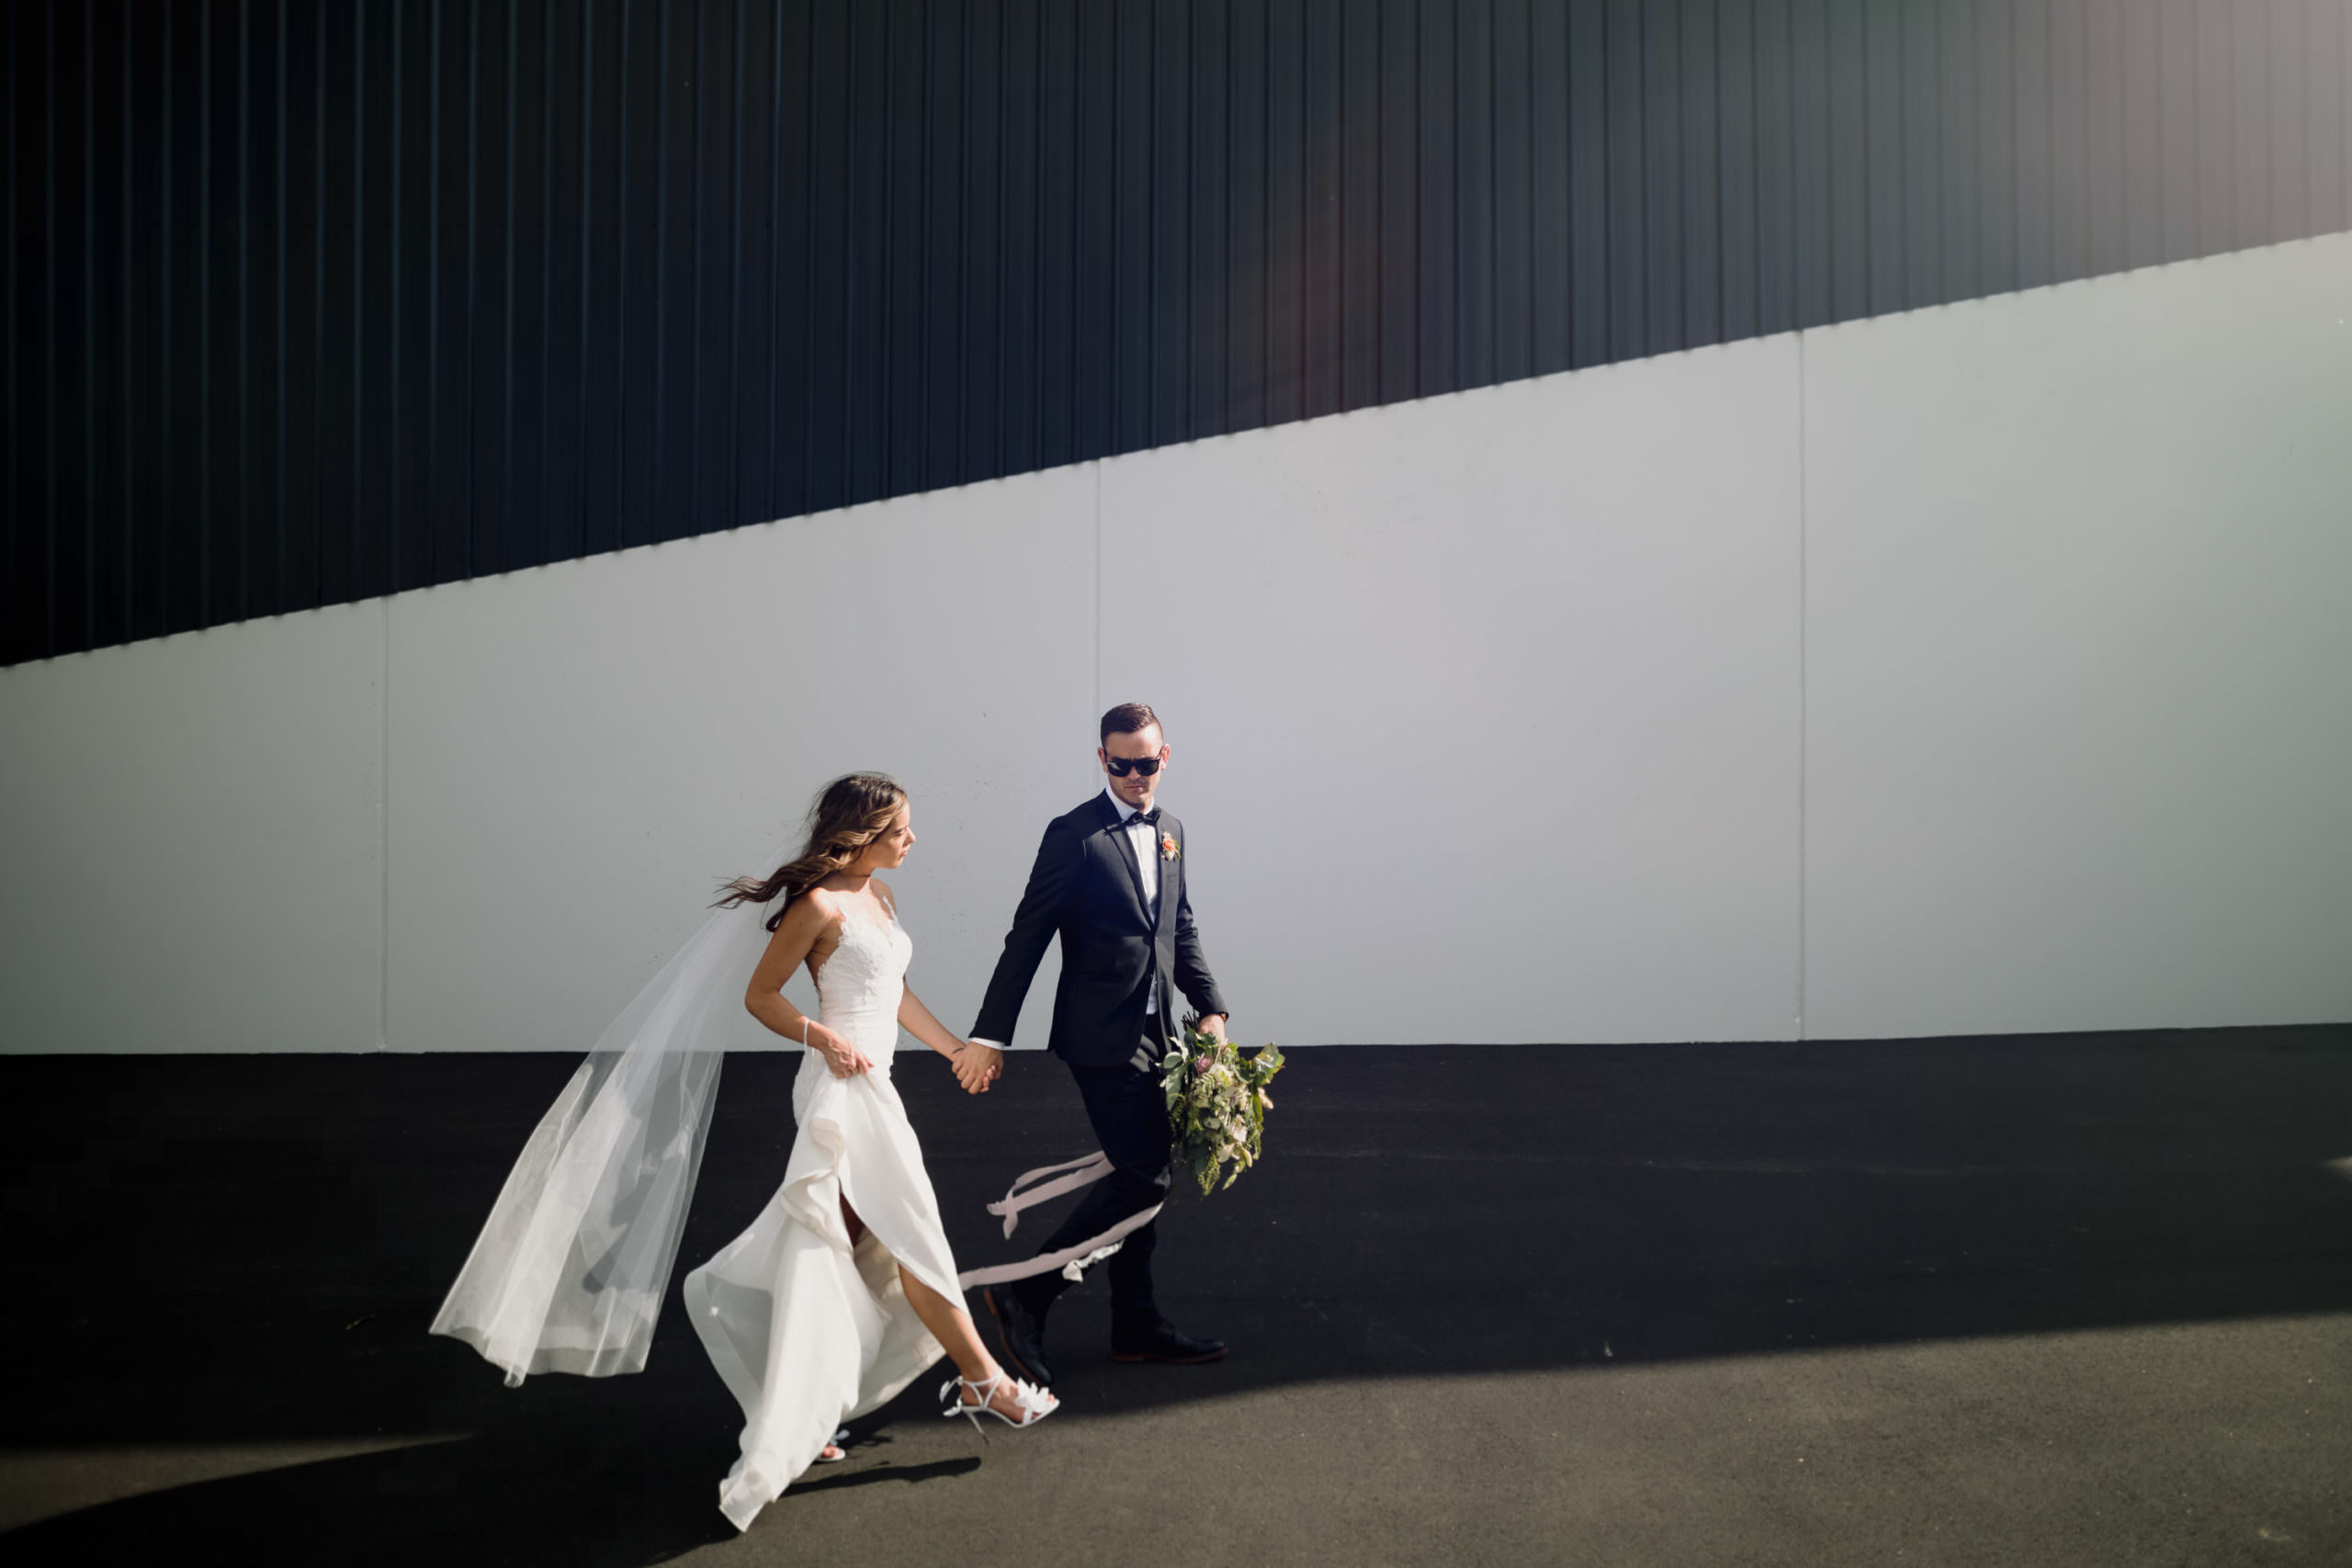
[(844, 1291)]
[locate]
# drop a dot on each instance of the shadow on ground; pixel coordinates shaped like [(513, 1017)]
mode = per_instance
[(232, 1250)]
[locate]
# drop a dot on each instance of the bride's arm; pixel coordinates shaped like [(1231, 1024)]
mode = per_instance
[(796, 937), (918, 1020), (974, 1064)]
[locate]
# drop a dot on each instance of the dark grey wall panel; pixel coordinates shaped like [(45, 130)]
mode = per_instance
[(311, 302)]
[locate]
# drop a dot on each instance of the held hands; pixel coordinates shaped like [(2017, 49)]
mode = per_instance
[(976, 1066)]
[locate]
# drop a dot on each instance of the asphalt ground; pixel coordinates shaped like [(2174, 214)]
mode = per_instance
[(2061, 1300)]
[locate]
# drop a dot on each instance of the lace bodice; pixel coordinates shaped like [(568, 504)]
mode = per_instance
[(859, 988)]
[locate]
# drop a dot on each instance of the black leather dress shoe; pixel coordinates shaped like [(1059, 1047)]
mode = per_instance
[(1163, 1342), (1021, 1333)]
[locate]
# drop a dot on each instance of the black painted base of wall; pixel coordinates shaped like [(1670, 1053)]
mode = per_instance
[(248, 1249)]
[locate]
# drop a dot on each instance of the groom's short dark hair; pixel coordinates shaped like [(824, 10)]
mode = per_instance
[(1128, 718)]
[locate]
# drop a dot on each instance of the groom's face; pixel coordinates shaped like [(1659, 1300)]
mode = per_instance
[(1136, 789)]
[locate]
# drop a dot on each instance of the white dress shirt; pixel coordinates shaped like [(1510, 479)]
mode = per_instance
[(1146, 847)]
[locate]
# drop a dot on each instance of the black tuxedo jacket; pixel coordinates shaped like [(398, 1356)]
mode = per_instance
[(1086, 888)]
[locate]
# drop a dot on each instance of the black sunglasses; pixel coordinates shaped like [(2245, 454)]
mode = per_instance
[(1122, 766)]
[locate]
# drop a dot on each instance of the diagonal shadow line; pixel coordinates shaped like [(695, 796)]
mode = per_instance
[(477, 1501), (491, 1499), (914, 1475)]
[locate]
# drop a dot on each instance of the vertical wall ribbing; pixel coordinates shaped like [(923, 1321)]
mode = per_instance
[(791, 257)]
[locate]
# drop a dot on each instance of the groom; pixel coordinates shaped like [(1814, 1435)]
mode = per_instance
[(1110, 880)]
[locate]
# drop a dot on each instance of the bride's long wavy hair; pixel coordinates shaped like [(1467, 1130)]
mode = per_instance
[(849, 812)]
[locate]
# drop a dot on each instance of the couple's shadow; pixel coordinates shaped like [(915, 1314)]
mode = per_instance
[(569, 1471), (632, 1481)]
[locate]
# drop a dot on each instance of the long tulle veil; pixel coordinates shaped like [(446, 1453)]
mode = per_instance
[(568, 1272)]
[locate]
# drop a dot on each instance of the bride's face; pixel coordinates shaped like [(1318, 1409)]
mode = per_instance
[(888, 851)]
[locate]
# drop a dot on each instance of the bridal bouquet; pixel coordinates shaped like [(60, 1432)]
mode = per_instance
[(1217, 1103)]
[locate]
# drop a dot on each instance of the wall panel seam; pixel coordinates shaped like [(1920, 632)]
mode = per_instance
[(1805, 734), (384, 825)]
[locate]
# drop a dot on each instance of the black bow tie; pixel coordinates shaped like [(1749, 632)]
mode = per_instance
[(1149, 819)]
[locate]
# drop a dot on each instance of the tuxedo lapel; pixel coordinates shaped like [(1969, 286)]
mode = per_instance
[(1167, 912), (1171, 894), (1126, 851)]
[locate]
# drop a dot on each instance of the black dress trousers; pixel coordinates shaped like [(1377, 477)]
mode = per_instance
[(1129, 1112)]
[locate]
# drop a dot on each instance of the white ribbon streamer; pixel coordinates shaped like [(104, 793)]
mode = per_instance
[(1075, 1269), (1088, 1168), (1072, 1261)]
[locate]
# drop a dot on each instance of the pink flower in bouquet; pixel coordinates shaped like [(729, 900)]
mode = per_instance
[(1202, 1064)]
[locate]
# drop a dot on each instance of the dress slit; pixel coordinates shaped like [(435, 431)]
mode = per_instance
[(809, 1326)]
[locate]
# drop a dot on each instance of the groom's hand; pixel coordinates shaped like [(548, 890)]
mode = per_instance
[(976, 1067), (1214, 1026)]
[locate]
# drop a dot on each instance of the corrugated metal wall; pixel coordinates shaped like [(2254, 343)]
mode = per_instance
[(311, 302)]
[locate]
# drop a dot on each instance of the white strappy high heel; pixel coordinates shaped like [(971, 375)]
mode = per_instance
[(1035, 1402)]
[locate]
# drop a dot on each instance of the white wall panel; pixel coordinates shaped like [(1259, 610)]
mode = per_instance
[(581, 754), (193, 841), (2000, 687), (2080, 634), (1485, 708)]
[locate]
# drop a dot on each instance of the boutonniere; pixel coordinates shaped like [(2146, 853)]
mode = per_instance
[(1167, 850)]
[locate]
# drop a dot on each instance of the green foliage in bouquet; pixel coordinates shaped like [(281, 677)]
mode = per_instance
[(1217, 1103)]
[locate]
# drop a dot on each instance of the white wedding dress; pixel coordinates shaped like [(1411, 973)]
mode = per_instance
[(807, 1329)]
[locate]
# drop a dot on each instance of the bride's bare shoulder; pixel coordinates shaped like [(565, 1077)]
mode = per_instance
[(820, 906)]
